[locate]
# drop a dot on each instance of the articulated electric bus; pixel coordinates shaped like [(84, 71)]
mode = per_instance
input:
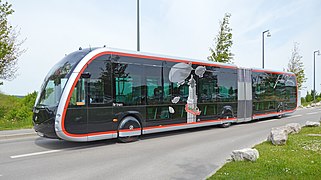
[(103, 93)]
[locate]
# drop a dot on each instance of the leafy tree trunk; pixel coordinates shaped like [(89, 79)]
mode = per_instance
[(222, 51), (296, 66)]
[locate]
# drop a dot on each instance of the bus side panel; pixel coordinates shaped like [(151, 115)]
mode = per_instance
[(76, 120)]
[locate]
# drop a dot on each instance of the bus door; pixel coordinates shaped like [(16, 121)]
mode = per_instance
[(244, 108), (76, 116), (100, 109), (100, 97)]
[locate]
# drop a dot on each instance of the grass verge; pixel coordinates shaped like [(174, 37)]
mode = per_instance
[(300, 158), (16, 113)]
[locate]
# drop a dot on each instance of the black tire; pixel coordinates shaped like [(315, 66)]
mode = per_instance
[(128, 139), (128, 123), (226, 125)]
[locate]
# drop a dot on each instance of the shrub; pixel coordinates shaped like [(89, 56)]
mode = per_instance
[(15, 112)]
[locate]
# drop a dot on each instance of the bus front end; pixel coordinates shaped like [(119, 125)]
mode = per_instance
[(48, 99), (43, 120)]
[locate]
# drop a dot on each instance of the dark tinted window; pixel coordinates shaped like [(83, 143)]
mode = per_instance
[(208, 87), (273, 92), (227, 84), (158, 85), (129, 84), (100, 87), (291, 92)]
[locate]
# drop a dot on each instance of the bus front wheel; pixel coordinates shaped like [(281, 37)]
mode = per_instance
[(129, 130)]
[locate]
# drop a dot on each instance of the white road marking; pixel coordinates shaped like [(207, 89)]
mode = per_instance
[(313, 113), (299, 115), (34, 154)]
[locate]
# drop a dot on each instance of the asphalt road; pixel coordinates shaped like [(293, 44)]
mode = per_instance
[(185, 154)]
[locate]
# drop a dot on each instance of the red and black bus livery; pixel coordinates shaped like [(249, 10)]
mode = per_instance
[(104, 93)]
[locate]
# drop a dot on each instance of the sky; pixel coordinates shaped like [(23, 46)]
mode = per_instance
[(182, 28)]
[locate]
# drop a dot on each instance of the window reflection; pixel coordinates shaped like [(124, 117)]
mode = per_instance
[(99, 83), (128, 84), (227, 84), (273, 92)]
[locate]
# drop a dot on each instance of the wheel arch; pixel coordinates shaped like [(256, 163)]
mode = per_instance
[(226, 110), (135, 114)]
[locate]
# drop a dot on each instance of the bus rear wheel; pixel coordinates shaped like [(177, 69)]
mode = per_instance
[(129, 130), (226, 125)]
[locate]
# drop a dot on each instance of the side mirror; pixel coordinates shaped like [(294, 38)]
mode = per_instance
[(86, 75)]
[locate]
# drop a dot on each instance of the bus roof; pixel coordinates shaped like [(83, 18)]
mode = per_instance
[(169, 58)]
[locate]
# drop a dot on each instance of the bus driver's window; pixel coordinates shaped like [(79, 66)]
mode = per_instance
[(78, 95)]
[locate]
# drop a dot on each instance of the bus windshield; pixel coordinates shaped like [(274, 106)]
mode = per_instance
[(56, 79)]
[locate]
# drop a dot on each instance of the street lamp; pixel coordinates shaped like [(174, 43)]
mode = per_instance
[(138, 45), (314, 73), (268, 35)]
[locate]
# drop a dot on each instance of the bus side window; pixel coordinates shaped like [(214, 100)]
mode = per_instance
[(78, 94)]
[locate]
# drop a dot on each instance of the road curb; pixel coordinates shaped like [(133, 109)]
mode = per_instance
[(16, 135)]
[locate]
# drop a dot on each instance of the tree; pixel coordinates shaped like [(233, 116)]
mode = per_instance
[(308, 97), (9, 44), (222, 50), (296, 66), (312, 94)]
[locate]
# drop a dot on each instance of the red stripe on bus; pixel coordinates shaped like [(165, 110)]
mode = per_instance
[(272, 72), (184, 124), (171, 59), (93, 134), (130, 130)]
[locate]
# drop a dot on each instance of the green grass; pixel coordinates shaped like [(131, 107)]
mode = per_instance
[(16, 113), (300, 158)]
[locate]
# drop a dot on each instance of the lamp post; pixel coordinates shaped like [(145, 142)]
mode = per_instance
[(138, 45), (268, 35), (314, 73)]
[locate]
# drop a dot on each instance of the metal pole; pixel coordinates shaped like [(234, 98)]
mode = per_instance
[(263, 46), (314, 76), (263, 50), (138, 43)]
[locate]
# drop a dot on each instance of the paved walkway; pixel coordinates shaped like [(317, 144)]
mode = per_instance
[(16, 133)]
